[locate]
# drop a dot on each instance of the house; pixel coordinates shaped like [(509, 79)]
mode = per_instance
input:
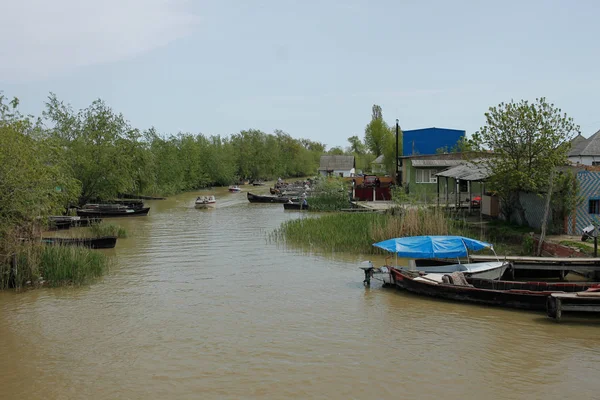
[(429, 140), (420, 178), (585, 151), (342, 166), (588, 210), (378, 166)]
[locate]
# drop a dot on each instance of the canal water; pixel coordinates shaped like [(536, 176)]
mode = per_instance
[(201, 305)]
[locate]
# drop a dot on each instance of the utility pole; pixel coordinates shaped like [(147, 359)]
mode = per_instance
[(398, 183)]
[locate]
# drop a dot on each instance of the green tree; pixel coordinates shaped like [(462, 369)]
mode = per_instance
[(529, 140), (336, 151), (34, 182), (377, 132), (356, 145), (97, 143)]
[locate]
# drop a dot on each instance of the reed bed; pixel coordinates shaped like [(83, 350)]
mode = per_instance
[(357, 232), (33, 264), (106, 229)]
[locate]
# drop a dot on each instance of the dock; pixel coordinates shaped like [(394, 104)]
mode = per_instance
[(557, 303), (561, 264)]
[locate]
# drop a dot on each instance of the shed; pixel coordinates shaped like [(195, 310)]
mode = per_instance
[(342, 166), (470, 172)]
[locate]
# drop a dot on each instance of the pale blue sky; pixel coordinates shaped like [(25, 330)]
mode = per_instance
[(311, 68)]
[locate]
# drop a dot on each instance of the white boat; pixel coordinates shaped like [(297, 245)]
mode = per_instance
[(205, 201), (235, 189), (442, 249)]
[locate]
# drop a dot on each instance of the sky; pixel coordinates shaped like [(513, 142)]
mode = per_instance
[(311, 68)]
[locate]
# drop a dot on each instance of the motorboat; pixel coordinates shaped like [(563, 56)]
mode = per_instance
[(437, 255), (205, 201)]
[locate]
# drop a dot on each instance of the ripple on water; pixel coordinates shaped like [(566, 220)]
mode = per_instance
[(201, 305)]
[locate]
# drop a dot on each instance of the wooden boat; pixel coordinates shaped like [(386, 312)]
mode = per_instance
[(59, 223), (205, 201), (441, 254), (111, 210), (104, 242), (134, 196), (295, 206), (68, 221), (255, 198), (131, 203), (234, 189), (455, 286)]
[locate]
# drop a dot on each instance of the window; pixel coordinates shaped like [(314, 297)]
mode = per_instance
[(426, 175), (594, 206), (463, 186), (595, 163)]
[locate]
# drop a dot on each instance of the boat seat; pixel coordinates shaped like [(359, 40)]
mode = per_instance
[(456, 278)]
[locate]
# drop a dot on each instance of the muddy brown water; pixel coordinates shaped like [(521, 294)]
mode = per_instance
[(200, 305)]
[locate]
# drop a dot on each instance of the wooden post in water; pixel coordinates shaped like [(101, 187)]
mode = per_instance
[(546, 212), (14, 269)]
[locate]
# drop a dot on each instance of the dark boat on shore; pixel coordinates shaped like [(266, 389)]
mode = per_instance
[(295, 206), (104, 242), (134, 196), (255, 198), (68, 221), (511, 294), (111, 210)]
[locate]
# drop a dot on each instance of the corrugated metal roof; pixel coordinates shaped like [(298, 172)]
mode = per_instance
[(340, 163), (436, 163), (467, 172)]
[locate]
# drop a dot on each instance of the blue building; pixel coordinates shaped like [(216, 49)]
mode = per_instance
[(428, 140)]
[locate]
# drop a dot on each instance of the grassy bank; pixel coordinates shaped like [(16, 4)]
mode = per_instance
[(357, 232), (38, 264), (346, 232), (106, 229)]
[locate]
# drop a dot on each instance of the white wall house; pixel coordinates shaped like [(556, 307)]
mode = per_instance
[(342, 166), (585, 151), (378, 166)]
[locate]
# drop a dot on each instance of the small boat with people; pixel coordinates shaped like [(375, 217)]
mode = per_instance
[(441, 255), (205, 201), (234, 189)]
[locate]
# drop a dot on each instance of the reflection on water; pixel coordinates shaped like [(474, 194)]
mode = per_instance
[(202, 305)]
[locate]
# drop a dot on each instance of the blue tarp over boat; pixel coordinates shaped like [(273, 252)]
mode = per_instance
[(432, 246)]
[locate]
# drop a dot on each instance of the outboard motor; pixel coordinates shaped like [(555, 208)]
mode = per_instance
[(587, 232)]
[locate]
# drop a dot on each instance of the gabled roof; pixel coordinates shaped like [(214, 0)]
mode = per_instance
[(341, 163), (581, 146), (378, 160)]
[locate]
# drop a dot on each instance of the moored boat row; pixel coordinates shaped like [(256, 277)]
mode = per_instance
[(475, 282)]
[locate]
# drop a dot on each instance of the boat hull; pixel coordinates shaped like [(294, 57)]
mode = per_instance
[(520, 295), (295, 206), (99, 213), (105, 242), (255, 198), (204, 205)]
